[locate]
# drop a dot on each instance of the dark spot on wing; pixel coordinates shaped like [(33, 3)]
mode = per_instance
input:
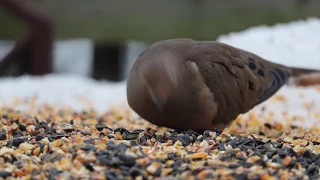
[(260, 73), (251, 86), (252, 66)]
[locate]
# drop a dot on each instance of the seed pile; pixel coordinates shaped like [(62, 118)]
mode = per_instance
[(46, 143)]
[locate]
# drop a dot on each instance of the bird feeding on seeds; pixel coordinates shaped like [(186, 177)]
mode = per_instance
[(201, 85)]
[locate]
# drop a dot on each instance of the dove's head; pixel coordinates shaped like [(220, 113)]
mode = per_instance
[(167, 89)]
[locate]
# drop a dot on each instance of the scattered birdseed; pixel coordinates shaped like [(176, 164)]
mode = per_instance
[(47, 143)]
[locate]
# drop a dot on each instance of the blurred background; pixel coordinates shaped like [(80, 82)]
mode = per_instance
[(101, 38)]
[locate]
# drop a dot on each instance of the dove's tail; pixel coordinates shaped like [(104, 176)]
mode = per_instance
[(305, 77), (296, 72)]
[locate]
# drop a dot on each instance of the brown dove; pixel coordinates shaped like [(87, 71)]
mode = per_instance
[(200, 85)]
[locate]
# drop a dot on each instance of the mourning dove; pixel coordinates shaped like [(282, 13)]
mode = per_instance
[(200, 85)]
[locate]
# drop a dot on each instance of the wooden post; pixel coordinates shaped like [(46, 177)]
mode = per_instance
[(37, 40)]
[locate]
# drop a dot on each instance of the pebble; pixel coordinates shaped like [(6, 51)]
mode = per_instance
[(3, 135), (16, 141), (4, 174)]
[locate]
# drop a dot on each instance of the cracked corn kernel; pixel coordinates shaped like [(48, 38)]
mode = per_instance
[(153, 167), (200, 155)]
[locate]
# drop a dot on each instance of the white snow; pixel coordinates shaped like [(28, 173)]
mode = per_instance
[(73, 90), (293, 44)]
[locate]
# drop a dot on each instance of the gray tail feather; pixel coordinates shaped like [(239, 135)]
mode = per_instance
[(303, 71), (304, 77)]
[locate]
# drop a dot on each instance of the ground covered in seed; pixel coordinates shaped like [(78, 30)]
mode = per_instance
[(46, 143)]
